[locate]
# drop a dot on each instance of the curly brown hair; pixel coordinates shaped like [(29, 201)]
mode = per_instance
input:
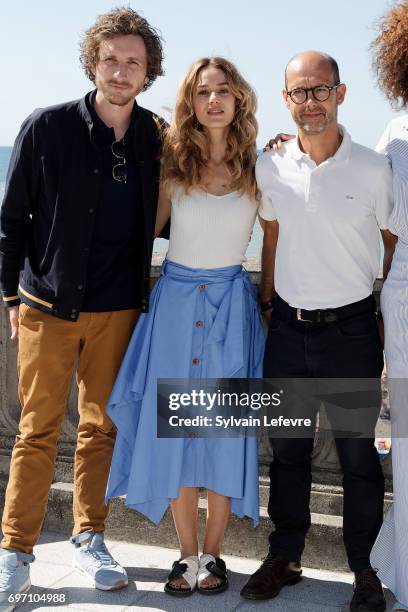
[(390, 54), (122, 21), (186, 145)]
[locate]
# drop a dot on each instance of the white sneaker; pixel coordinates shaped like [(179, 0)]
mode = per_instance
[(93, 560), (14, 576)]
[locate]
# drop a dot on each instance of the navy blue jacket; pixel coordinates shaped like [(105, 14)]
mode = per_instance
[(50, 202)]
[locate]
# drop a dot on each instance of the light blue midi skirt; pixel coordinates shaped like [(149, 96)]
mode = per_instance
[(168, 343)]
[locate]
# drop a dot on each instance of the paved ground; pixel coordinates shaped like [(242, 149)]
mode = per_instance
[(147, 567)]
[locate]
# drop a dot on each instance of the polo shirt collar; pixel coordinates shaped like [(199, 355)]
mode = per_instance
[(344, 150), (342, 153), (295, 151)]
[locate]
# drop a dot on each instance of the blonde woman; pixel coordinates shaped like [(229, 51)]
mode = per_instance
[(203, 323)]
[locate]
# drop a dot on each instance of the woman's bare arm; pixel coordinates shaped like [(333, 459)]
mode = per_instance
[(163, 211)]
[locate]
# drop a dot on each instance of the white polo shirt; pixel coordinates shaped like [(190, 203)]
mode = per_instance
[(328, 251)]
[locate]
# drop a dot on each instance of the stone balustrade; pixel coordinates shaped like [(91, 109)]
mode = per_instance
[(325, 461)]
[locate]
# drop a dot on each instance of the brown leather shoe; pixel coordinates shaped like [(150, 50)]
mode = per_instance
[(268, 580), (368, 593)]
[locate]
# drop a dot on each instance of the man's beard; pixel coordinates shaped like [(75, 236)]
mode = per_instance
[(116, 98), (315, 128), (312, 129)]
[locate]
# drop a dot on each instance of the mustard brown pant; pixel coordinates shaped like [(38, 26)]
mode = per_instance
[(49, 349)]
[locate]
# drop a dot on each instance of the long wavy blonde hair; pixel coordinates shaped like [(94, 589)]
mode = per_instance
[(186, 147)]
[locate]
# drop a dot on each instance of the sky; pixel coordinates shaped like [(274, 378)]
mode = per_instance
[(40, 66)]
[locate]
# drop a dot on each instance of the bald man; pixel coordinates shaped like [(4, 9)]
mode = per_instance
[(324, 200)]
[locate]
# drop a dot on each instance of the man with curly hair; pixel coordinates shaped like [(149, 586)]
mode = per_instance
[(76, 233)]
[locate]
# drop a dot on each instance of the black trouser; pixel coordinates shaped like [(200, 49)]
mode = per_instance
[(347, 348)]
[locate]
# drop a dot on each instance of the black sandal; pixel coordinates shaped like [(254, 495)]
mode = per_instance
[(186, 568), (216, 566)]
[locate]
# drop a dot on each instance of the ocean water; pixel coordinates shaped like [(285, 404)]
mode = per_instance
[(160, 245), (5, 153)]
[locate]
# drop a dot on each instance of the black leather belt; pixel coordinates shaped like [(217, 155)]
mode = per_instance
[(327, 315)]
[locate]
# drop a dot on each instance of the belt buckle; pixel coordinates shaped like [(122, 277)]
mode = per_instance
[(299, 316)]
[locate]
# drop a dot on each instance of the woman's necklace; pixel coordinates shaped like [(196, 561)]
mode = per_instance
[(215, 180)]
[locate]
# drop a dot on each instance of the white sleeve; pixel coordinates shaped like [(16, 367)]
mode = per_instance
[(384, 199), (266, 209), (384, 141)]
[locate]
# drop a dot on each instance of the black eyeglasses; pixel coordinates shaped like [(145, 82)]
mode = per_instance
[(119, 170), (299, 95)]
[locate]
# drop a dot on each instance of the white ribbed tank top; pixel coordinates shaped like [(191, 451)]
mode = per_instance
[(209, 231)]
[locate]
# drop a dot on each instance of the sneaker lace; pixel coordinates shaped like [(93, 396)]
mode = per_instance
[(102, 555)]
